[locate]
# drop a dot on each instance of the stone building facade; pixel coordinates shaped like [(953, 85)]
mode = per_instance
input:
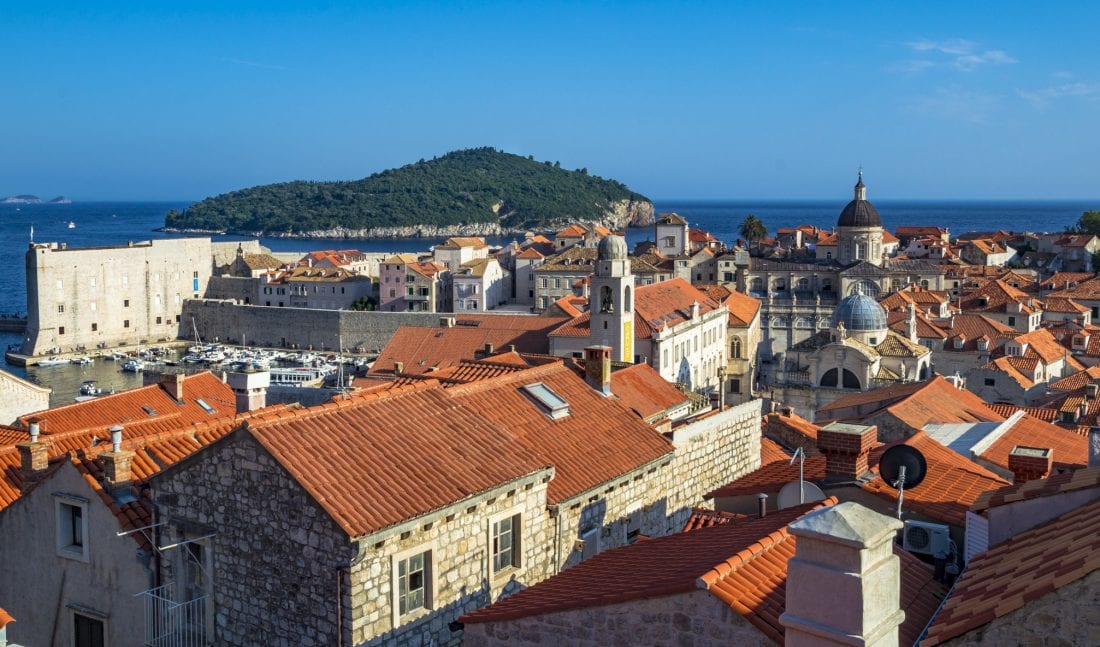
[(86, 298), (251, 517)]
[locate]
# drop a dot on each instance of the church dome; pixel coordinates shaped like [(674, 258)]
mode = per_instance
[(611, 248), (859, 212), (859, 312)]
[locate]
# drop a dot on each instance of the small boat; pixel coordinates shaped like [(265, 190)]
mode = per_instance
[(301, 377), (89, 387), (135, 365), (72, 225), (53, 361), (83, 361), (116, 356)]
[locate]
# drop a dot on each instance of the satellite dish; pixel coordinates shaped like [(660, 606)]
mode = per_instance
[(789, 495), (903, 456)]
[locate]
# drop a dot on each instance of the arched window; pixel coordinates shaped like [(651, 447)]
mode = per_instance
[(865, 287), (780, 285), (607, 302), (829, 379), (861, 251), (735, 348), (803, 322), (850, 381), (757, 285), (626, 299), (803, 284)]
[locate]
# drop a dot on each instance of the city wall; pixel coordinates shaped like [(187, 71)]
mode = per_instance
[(226, 321)]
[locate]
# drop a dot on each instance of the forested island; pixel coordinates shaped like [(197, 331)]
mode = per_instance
[(478, 191)]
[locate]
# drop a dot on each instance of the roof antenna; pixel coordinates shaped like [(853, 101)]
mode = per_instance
[(801, 456)]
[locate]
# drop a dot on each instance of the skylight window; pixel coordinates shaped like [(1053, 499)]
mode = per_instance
[(149, 410), (205, 407), (551, 403)]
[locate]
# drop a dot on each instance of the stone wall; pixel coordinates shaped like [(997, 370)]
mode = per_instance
[(18, 396), (1069, 615), (238, 288), (460, 573), (279, 564), (301, 327), (88, 298), (693, 619)]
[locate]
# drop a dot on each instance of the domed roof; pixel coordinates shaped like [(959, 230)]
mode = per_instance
[(859, 212), (859, 312), (611, 248)]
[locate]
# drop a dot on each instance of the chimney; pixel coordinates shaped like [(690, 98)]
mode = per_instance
[(173, 384), (249, 389), (911, 323), (844, 581), (34, 458), (488, 349), (116, 465), (597, 368), (762, 505), (446, 322), (846, 448), (694, 309), (398, 367), (511, 348), (1092, 390), (1030, 463)]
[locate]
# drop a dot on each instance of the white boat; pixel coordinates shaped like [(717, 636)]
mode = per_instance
[(89, 387), (72, 225), (83, 361), (134, 366), (297, 377), (53, 361)]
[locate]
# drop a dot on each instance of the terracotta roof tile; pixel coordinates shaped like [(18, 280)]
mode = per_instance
[(1006, 577), (1006, 410), (916, 404), (654, 568), (703, 518), (641, 388), (1070, 448), (951, 485), (1068, 481)]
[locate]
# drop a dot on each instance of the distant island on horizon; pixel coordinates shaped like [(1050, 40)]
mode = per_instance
[(33, 199), (473, 192)]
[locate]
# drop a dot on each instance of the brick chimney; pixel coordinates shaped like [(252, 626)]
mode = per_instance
[(844, 581), (34, 458), (116, 464), (597, 368), (173, 384), (846, 448), (1030, 463)]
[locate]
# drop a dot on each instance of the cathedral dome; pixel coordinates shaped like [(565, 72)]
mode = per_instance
[(859, 212), (859, 312), (612, 248)]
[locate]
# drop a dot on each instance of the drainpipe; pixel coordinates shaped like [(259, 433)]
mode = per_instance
[(555, 511)]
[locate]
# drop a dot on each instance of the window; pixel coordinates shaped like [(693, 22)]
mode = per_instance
[(159, 320), (60, 308), (125, 323), (95, 327), (505, 544), (735, 385), (1012, 321), (590, 543), (72, 528), (61, 330), (194, 275), (413, 583), (87, 631), (735, 348), (125, 303), (990, 381)]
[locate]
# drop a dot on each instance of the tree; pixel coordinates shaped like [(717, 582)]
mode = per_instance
[(1089, 223), (753, 229)]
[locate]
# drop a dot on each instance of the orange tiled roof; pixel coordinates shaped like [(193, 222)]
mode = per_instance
[(1078, 380), (771, 477), (1062, 304), (1019, 369), (898, 322), (951, 484), (703, 518), (456, 242), (641, 388), (1070, 449), (654, 568), (916, 404), (1025, 568), (771, 451), (671, 218), (1064, 280), (530, 252), (1042, 344), (1089, 289), (150, 407), (572, 231), (1069, 481), (669, 303), (828, 241), (421, 349), (1042, 413)]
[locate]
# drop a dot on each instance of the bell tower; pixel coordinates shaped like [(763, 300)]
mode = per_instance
[(611, 304), (859, 229)]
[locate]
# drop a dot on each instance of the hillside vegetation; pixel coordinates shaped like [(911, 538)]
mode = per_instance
[(467, 187)]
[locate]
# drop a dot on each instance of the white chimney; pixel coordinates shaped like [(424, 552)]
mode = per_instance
[(844, 581), (116, 438)]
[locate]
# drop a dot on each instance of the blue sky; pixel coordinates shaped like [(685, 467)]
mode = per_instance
[(152, 100)]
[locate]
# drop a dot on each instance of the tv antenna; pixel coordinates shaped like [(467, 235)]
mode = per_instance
[(798, 492), (902, 465)]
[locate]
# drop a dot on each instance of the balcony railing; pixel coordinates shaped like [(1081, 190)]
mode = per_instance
[(173, 624)]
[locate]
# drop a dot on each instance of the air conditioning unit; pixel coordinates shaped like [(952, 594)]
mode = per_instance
[(926, 538)]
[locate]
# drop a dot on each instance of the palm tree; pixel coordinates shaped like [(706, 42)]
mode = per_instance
[(753, 229)]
